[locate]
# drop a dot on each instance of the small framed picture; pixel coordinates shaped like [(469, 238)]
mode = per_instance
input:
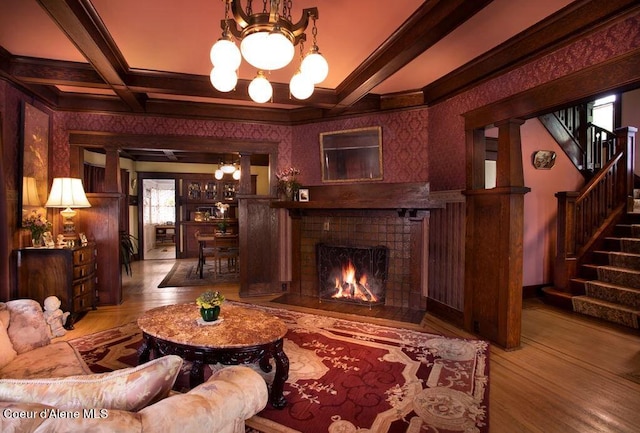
[(303, 194), (83, 239), (47, 238)]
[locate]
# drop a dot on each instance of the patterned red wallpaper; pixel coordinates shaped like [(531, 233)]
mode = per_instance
[(404, 145), (446, 124), (424, 144)]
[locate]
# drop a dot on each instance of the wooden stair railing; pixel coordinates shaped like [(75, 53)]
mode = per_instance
[(584, 217), (588, 146)]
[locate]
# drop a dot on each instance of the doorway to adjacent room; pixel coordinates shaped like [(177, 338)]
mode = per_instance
[(159, 219)]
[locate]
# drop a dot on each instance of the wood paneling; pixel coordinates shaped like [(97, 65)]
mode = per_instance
[(259, 252), (446, 252), (100, 224)]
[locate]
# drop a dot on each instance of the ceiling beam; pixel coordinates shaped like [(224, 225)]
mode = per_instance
[(559, 29), (82, 25), (432, 21), (55, 73)]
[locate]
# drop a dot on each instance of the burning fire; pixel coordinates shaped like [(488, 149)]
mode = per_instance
[(347, 286)]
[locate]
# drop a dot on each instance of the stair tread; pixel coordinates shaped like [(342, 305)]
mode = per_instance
[(613, 285), (619, 238), (620, 253), (608, 304), (613, 268)]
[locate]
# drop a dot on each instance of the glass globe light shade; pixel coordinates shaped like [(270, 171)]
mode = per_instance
[(225, 54), (228, 168), (260, 89), (267, 50), (224, 80), (236, 175), (301, 86), (218, 174), (315, 66)]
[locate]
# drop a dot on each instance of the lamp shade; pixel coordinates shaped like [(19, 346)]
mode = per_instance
[(224, 80), (228, 168), (315, 66), (301, 86), (267, 50), (225, 55), (260, 89), (67, 192), (30, 192)]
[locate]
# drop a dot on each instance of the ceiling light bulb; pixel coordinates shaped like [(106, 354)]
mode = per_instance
[(236, 175), (281, 50), (315, 66), (267, 50), (218, 174), (228, 168), (260, 88), (301, 86), (225, 54), (224, 80)]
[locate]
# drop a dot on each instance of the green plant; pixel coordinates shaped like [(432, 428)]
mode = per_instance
[(222, 225), (127, 250), (210, 299)]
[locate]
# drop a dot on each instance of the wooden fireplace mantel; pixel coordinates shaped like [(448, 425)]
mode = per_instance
[(403, 197), (361, 214)]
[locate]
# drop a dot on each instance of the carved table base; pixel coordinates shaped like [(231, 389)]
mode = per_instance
[(245, 337)]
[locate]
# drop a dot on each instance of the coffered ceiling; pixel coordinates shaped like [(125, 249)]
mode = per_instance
[(152, 56)]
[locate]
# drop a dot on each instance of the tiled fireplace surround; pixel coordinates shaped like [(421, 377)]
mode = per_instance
[(364, 229), (392, 215)]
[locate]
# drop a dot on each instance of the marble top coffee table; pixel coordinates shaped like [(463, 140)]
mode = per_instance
[(240, 336)]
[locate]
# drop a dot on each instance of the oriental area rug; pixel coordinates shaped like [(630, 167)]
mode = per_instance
[(185, 274), (350, 377)]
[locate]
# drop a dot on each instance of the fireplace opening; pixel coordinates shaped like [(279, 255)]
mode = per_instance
[(352, 274)]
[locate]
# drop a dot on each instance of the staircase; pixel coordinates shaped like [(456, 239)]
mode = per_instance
[(611, 281), (597, 266)]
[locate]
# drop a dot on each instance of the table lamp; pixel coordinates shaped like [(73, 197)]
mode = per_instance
[(67, 193)]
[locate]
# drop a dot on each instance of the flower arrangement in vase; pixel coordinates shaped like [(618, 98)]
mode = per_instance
[(209, 303), (288, 183), (37, 225), (222, 208)]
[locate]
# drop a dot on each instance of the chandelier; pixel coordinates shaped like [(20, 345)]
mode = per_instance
[(267, 42)]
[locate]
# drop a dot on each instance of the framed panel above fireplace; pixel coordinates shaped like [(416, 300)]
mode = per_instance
[(353, 155)]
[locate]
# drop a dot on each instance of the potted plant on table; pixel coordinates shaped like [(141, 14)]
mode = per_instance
[(209, 303)]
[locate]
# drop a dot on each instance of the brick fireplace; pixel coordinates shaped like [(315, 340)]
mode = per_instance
[(394, 216)]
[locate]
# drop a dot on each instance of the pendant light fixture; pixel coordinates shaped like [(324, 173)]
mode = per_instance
[(267, 42)]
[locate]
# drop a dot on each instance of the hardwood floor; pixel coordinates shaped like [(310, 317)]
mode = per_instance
[(572, 374)]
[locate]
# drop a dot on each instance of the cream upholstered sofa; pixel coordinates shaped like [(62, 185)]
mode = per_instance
[(47, 387)]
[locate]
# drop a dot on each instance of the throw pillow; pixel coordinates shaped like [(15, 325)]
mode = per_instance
[(7, 353), (28, 329), (128, 389)]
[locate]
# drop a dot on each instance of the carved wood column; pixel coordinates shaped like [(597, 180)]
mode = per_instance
[(112, 170), (493, 269), (245, 174), (76, 162)]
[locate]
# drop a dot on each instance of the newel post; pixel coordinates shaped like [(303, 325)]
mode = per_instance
[(626, 141), (565, 266)]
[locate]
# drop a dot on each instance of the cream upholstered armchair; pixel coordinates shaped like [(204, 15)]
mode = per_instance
[(47, 387)]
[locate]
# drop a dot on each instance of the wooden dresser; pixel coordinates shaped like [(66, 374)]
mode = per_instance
[(68, 273)]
